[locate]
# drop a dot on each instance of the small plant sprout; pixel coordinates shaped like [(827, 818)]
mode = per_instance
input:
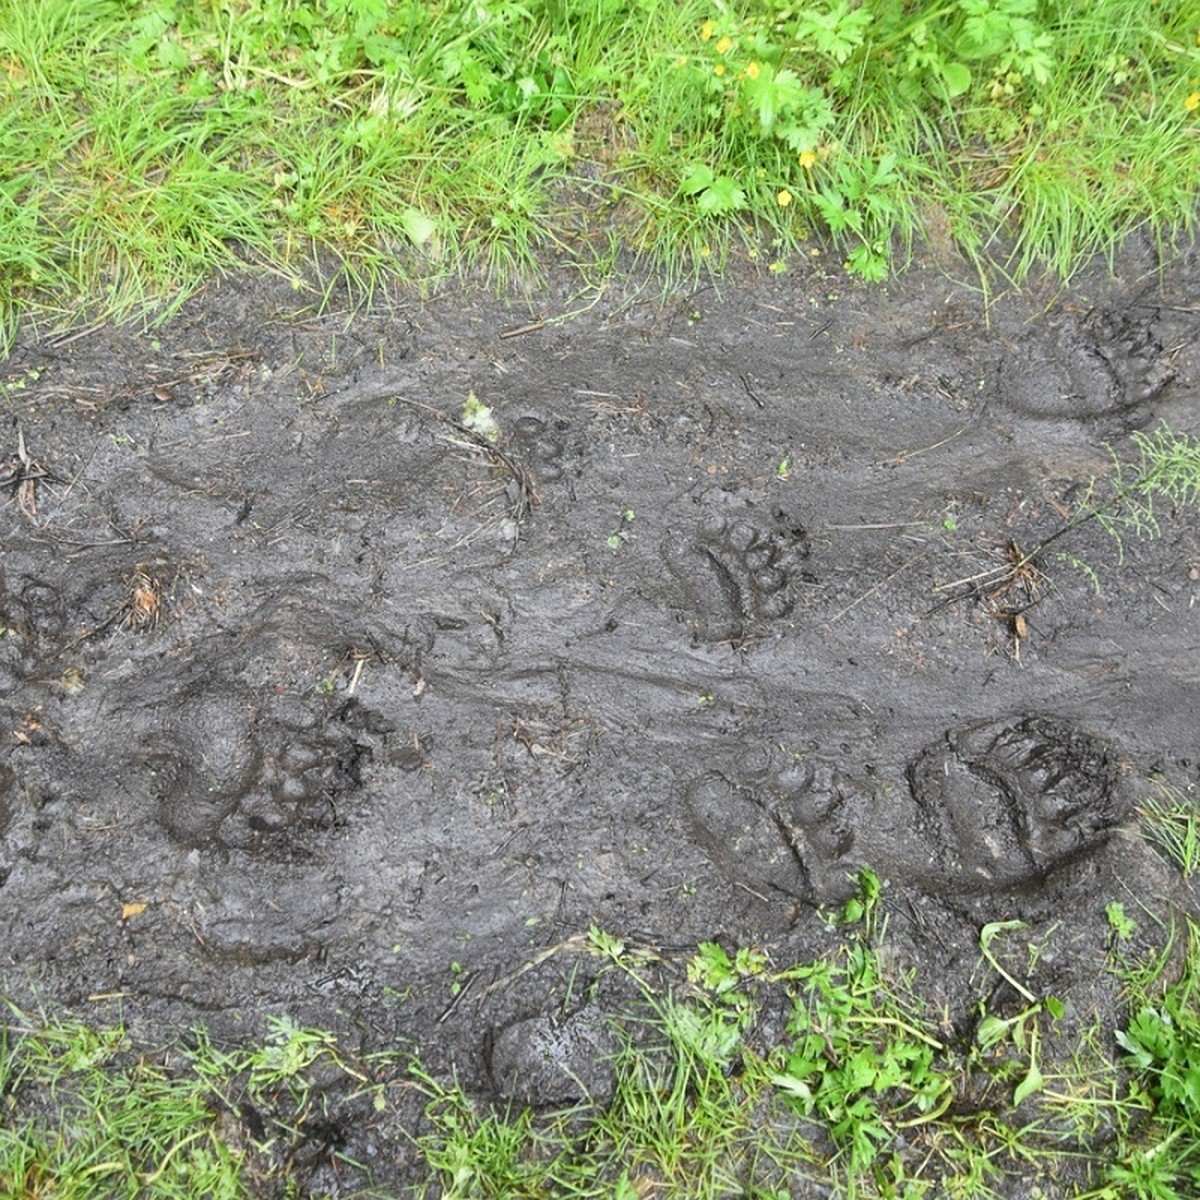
[(622, 533), (714, 970), (1022, 1030), (478, 418), (606, 945), (288, 1051), (1122, 925)]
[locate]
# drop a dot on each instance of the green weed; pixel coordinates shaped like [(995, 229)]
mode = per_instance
[(856, 1093), (859, 1088), (84, 1115), (343, 143), (1162, 1045)]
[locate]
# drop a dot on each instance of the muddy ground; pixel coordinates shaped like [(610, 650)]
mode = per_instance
[(368, 710)]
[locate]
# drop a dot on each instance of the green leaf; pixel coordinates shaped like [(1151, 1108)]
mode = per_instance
[(711, 965), (763, 97), (796, 1088), (477, 417), (1119, 921), (957, 78), (698, 179), (607, 945), (991, 1030), (723, 196), (1138, 1056), (989, 933), (869, 261), (419, 228), (836, 214), (1033, 1082)]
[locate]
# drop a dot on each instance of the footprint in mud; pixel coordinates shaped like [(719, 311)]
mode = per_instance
[(785, 826), (1107, 365), (737, 575), (546, 1060), (540, 447), (1004, 805), (35, 609), (231, 773)]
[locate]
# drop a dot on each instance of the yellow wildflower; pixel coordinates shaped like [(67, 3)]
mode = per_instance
[(783, 198), (1192, 103), (808, 159), (706, 31), (706, 252), (725, 45), (719, 69), (753, 71)]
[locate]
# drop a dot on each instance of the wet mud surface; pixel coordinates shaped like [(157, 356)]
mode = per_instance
[(372, 713)]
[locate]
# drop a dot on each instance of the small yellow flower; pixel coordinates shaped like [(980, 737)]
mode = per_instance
[(706, 252), (808, 159), (706, 31), (1192, 103), (753, 71), (719, 69), (725, 45), (681, 61), (783, 198)]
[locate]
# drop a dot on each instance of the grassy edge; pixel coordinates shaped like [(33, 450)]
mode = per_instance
[(145, 148), (861, 1089)]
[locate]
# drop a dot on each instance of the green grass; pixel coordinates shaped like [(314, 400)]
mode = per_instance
[(82, 1117), (860, 1092), (84, 1114), (146, 145), (858, 1089), (1165, 474), (1171, 821)]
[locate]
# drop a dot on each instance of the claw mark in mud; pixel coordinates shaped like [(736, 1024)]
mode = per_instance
[(737, 575), (1004, 805), (1105, 365), (1133, 353), (786, 825)]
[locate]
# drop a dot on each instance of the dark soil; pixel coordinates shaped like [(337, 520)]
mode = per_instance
[(369, 713)]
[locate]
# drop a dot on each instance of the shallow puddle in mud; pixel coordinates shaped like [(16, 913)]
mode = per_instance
[(345, 692)]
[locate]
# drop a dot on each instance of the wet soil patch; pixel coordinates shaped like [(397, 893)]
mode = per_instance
[(372, 712)]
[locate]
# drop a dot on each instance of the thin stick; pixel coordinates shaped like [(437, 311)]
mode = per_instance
[(531, 328), (905, 455)]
